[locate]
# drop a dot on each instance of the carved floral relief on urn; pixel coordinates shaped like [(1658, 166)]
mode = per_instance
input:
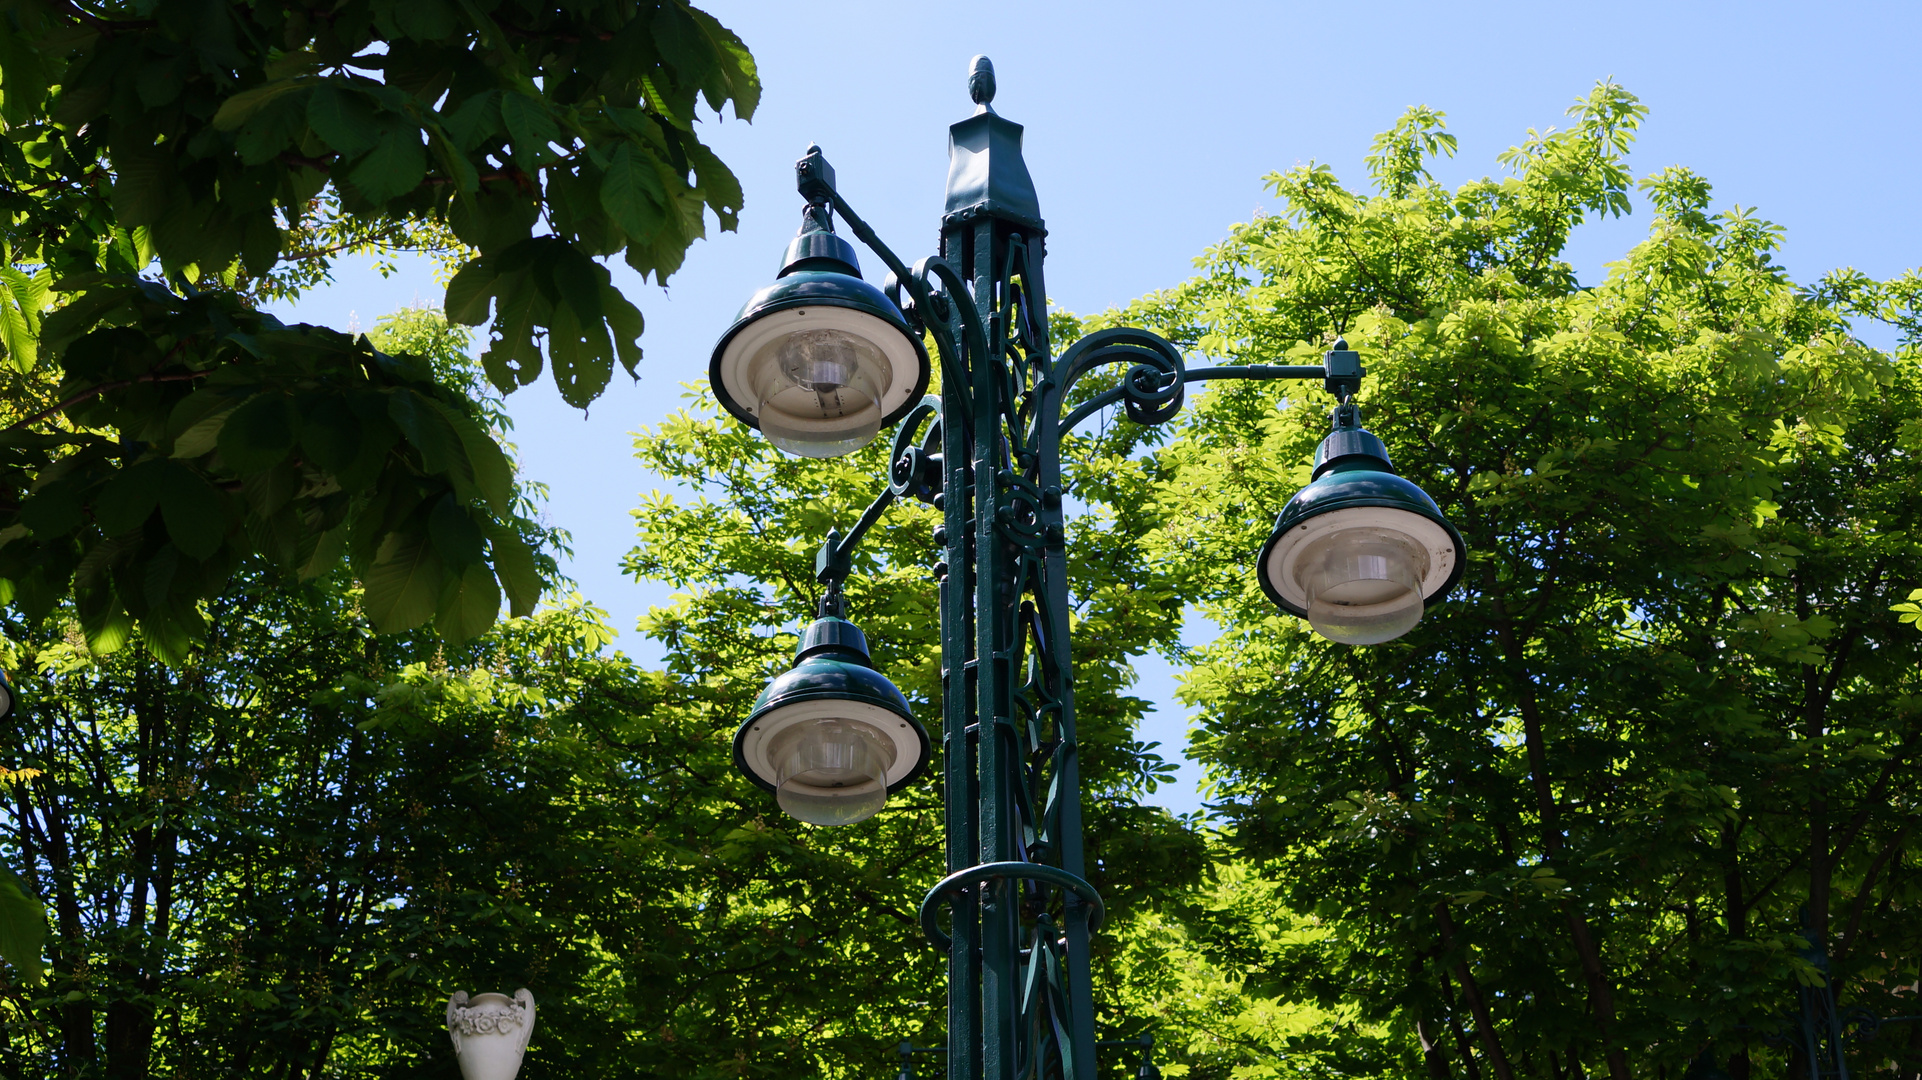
[(490, 1033)]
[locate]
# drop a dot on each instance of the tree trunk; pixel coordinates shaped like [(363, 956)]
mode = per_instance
[(1601, 993), (1434, 1059), (1477, 1004), (1462, 1046), (1818, 806), (69, 952), (1428, 1029)]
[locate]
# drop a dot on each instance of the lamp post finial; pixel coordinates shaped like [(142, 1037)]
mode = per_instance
[(981, 81)]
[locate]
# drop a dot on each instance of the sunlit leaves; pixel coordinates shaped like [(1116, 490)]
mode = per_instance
[(1688, 494), (23, 923), (1911, 610)]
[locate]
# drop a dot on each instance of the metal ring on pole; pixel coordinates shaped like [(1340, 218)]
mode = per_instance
[(961, 879)]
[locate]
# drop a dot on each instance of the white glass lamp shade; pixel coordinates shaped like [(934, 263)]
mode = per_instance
[(820, 362), (831, 761), (1362, 583), (831, 768)]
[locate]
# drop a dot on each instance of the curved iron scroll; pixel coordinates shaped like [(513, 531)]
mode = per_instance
[(1152, 388), (951, 886)]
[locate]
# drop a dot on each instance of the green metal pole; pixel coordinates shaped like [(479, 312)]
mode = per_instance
[(959, 735), (1010, 1017)]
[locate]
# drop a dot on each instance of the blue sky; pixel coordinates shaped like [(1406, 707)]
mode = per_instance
[(1149, 127)]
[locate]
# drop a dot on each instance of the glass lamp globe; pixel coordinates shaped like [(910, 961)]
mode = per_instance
[(820, 361), (6, 696), (1360, 552), (831, 737)]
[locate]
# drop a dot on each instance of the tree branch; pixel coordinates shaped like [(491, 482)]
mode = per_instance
[(96, 391)]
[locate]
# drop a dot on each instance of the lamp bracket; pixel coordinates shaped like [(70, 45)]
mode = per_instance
[(814, 177), (833, 561), (1342, 370)]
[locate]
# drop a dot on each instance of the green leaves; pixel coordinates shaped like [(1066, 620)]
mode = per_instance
[(217, 124), (23, 929), (244, 106), (195, 512), (293, 446), (344, 119), (542, 281), (404, 583), (632, 193), (1685, 492), (469, 605), (1911, 611), (514, 566), (530, 128), (22, 303), (395, 166), (259, 434)]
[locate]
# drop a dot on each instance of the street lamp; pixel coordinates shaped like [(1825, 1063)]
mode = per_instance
[(831, 737), (1360, 551), (820, 362)]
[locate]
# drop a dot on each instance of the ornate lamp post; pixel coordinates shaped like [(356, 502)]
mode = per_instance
[(820, 362)]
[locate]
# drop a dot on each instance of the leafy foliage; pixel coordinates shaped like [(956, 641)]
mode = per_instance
[(23, 928), (1567, 824), (169, 162)]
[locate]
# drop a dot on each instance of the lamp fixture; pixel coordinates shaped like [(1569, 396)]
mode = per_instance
[(820, 361), (1360, 552), (831, 737)]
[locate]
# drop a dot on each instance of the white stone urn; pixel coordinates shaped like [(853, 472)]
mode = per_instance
[(490, 1033)]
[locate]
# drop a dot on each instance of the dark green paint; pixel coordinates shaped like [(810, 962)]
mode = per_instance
[(1015, 881)]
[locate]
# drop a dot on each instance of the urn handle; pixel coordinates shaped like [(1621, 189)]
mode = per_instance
[(454, 1006), (526, 1001)]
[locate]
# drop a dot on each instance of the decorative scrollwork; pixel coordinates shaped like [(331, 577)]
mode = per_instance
[(914, 470), (960, 881), (1153, 387)]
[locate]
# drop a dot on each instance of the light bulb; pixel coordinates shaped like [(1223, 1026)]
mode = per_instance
[(819, 390), (819, 360), (831, 771), (1363, 584)]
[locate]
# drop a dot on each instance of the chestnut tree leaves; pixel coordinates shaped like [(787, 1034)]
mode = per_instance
[(157, 435), (297, 445)]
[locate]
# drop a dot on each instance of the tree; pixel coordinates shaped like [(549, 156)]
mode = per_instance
[(1567, 824), (165, 162), (277, 854)]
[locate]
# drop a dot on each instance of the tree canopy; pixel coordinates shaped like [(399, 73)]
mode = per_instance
[(1571, 822)]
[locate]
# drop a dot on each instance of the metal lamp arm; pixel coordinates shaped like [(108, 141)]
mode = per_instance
[(911, 472), (1152, 388), (915, 279), (1238, 371), (815, 181)]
